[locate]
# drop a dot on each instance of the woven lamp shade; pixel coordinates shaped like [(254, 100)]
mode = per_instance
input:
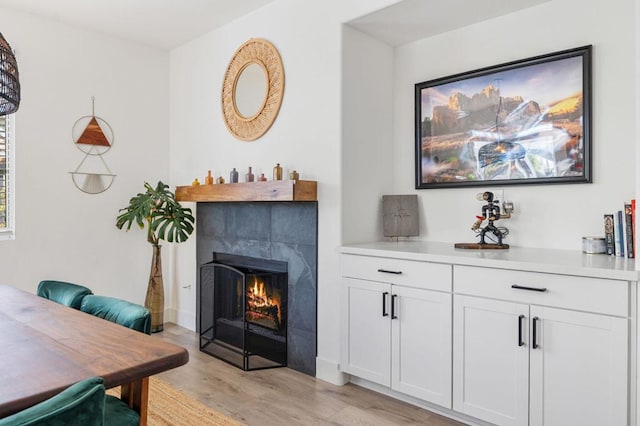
[(9, 83)]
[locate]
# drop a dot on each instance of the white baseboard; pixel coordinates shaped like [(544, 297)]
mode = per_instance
[(182, 318), (329, 371)]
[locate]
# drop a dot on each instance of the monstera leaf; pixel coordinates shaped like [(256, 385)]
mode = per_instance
[(163, 216)]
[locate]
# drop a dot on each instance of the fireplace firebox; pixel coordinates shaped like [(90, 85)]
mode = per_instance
[(243, 311)]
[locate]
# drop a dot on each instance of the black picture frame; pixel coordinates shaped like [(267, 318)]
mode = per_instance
[(522, 122)]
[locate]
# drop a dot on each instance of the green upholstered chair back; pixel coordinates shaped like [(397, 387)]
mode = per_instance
[(67, 294), (119, 311), (80, 404)]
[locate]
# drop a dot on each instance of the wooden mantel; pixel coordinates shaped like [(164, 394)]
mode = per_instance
[(278, 190)]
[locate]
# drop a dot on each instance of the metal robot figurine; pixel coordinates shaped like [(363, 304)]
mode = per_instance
[(490, 212)]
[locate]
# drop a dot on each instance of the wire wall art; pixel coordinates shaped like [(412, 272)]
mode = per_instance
[(94, 137)]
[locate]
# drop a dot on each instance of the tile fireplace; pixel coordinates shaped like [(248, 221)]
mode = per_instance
[(276, 234)]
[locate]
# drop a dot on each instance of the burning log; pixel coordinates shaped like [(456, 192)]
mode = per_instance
[(262, 309)]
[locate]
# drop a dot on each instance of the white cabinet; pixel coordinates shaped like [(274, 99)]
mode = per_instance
[(524, 364), (396, 335), (521, 337), (490, 366), (367, 341), (578, 368), (421, 344)]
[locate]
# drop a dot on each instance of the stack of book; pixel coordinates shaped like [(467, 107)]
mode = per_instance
[(620, 231)]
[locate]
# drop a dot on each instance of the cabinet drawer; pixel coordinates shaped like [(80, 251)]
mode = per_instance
[(564, 291), (433, 276)]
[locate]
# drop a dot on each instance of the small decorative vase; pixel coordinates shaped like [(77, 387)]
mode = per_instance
[(154, 301), (277, 172), (249, 177), (233, 176)]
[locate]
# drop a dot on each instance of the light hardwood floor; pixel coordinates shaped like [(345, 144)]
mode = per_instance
[(282, 396)]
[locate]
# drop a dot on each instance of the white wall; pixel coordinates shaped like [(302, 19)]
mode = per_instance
[(62, 233), (306, 135), (367, 134), (548, 216)]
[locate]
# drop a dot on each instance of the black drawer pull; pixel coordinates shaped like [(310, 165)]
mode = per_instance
[(386, 271), (521, 287), (384, 304), (534, 330), (393, 306), (520, 341)]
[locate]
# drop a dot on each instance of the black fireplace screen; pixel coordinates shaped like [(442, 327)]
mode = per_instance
[(243, 311)]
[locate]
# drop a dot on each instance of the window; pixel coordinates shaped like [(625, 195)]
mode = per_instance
[(6, 177)]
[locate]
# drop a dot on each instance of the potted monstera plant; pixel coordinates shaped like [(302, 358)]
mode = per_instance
[(165, 219)]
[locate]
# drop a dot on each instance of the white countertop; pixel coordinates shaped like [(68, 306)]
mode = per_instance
[(569, 262)]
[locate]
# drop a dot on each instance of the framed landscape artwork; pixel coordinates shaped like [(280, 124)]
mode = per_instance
[(524, 122)]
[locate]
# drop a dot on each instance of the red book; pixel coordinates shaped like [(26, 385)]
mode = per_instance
[(628, 223), (633, 221)]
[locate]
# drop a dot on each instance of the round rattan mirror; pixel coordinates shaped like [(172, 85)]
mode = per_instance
[(252, 89)]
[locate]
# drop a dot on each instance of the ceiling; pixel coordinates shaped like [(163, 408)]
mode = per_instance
[(167, 24), (411, 20), (163, 24)]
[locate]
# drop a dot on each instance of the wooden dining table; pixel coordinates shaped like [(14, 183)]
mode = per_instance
[(46, 347)]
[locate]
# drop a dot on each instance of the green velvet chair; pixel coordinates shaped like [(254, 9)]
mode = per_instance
[(65, 293), (82, 404), (119, 311)]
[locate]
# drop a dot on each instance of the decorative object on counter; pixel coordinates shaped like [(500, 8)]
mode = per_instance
[(594, 245), (220, 180), (400, 215), (262, 178), (252, 89), (233, 176), (165, 219), (9, 79), (208, 180), (491, 213), (195, 182), (94, 137), (451, 151), (249, 177), (294, 175), (277, 172)]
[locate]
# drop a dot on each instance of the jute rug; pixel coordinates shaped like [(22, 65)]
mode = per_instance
[(170, 407)]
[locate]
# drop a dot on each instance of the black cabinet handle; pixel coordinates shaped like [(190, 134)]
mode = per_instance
[(387, 271), (384, 304), (520, 341), (534, 329), (393, 306), (521, 287)]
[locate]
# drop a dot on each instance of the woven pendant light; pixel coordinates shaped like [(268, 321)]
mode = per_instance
[(9, 83)]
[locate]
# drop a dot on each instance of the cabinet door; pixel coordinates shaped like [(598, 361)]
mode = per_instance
[(578, 369), (491, 360), (366, 349), (421, 344)]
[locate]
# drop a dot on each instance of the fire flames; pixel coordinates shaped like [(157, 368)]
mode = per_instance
[(263, 308)]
